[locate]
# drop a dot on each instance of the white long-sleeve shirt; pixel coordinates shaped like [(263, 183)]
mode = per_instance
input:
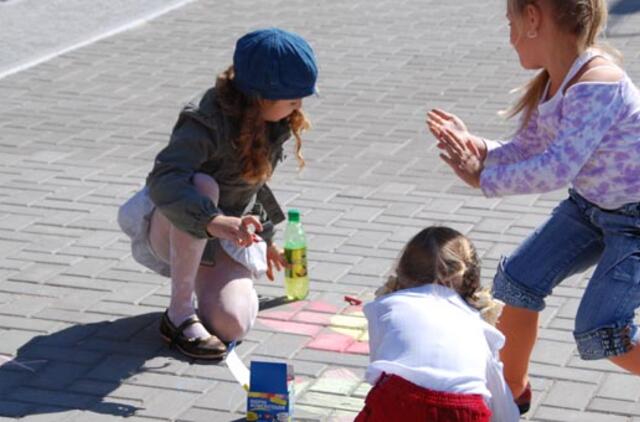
[(429, 336)]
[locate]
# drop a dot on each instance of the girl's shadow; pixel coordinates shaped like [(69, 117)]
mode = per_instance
[(78, 367), (618, 10), (625, 7)]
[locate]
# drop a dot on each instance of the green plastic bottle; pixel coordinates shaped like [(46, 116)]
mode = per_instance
[(296, 278)]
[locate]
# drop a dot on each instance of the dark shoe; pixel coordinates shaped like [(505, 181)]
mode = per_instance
[(199, 348), (524, 400)]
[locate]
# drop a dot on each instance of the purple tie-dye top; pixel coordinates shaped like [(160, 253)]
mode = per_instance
[(587, 136)]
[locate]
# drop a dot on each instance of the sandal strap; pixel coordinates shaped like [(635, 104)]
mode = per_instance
[(180, 329)]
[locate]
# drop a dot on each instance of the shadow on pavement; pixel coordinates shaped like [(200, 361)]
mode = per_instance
[(268, 302), (625, 7), (82, 367), (618, 10)]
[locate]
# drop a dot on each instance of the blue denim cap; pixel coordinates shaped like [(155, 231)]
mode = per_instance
[(274, 64)]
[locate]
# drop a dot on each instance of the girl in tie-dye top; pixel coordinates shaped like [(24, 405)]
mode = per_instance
[(580, 127)]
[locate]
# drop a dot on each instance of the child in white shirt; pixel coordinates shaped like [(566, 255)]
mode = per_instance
[(433, 348)]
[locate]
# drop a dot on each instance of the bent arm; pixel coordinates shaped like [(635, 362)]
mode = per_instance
[(170, 182), (525, 143), (588, 113)]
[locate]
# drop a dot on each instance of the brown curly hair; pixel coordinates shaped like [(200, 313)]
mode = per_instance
[(252, 140), (441, 255)]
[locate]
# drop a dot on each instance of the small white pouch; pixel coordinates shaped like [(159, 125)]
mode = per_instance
[(253, 258)]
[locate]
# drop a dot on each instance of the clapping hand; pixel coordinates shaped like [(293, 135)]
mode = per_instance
[(464, 152), (463, 157), (438, 120)]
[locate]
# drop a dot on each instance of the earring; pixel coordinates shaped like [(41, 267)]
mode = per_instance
[(532, 34)]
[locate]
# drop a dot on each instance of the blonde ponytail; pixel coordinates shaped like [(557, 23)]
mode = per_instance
[(586, 19), (532, 92), (490, 308), (599, 16)]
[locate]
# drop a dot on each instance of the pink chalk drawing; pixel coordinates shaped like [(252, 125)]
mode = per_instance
[(329, 327)]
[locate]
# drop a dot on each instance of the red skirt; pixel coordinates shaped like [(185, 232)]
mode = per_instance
[(395, 399)]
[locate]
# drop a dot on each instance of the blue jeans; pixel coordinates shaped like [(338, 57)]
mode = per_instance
[(576, 236)]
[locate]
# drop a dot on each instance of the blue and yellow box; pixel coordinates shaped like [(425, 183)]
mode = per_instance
[(270, 397)]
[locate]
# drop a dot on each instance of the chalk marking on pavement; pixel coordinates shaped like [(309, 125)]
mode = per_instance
[(96, 38), (7, 360)]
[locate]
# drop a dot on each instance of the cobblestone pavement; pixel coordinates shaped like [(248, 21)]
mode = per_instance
[(78, 317), (33, 31)]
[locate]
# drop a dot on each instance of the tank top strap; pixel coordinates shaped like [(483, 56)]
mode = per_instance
[(582, 59)]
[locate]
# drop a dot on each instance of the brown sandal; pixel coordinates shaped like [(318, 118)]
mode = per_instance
[(200, 348)]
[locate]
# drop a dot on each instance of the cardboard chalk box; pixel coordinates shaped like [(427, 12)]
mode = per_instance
[(270, 397)]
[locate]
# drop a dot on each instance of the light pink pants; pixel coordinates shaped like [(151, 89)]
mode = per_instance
[(226, 299)]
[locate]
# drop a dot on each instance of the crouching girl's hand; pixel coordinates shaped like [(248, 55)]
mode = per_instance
[(238, 230), (275, 259)]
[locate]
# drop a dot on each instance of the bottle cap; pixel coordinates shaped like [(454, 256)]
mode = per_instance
[(294, 215)]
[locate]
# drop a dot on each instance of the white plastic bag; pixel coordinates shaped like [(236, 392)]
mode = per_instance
[(253, 258)]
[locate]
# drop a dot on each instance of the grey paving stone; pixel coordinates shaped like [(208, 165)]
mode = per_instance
[(565, 415), (227, 396), (171, 382), (552, 352), (37, 272), (620, 407), (167, 405), (569, 374), (282, 346), (115, 368), (319, 356), (24, 306), (570, 395), (353, 404), (361, 252), (26, 324), (196, 414), (621, 387), (50, 397), (78, 136)]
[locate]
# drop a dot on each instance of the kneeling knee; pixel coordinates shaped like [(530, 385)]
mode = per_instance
[(230, 327)]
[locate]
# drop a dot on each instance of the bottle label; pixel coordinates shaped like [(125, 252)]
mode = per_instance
[(297, 260)]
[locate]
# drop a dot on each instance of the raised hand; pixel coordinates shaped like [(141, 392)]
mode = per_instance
[(462, 156), (439, 120)]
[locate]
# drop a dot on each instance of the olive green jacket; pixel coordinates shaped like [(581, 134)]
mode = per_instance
[(202, 141)]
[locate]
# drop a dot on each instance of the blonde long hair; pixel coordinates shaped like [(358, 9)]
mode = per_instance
[(584, 18), (252, 140), (441, 255)]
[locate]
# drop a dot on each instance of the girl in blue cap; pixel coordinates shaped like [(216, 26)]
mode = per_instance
[(205, 217)]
